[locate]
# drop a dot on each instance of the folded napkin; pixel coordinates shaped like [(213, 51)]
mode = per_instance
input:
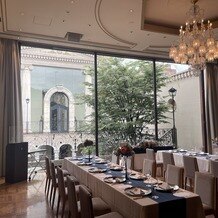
[(165, 187)]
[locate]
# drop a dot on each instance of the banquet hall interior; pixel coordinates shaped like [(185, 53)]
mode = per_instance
[(109, 108)]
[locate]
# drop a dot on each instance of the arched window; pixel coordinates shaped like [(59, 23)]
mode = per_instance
[(59, 106)]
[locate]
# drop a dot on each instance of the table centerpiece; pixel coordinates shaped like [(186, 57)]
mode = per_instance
[(125, 150)]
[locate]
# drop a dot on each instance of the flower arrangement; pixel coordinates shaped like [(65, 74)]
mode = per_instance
[(88, 143), (124, 150), (147, 144)]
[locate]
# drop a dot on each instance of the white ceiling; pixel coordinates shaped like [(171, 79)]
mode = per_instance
[(108, 25)]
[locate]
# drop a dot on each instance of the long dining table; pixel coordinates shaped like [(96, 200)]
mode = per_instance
[(180, 204)]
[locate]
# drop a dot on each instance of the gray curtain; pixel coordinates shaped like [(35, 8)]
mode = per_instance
[(211, 89), (10, 97)]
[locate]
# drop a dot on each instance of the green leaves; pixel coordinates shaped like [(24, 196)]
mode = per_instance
[(125, 98)]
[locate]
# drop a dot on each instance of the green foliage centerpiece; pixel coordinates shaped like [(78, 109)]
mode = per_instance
[(126, 151), (88, 144)]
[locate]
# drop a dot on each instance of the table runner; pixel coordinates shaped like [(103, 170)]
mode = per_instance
[(142, 208)]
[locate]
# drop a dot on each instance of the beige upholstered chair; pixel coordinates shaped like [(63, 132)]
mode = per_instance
[(137, 161), (167, 159), (99, 206), (48, 175), (87, 206), (190, 167), (174, 175), (214, 168), (204, 187), (72, 198), (150, 154), (115, 159), (214, 172), (62, 197), (149, 167)]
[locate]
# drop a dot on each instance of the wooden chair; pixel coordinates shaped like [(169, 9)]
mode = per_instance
[(149, 167), (167, 159), (150, 154), (87, 206), (190, 167), (48, 176), (204, 187), (174, 175)]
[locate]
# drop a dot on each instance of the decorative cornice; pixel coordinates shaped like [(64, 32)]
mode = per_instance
[(183, 75), (55, 59)]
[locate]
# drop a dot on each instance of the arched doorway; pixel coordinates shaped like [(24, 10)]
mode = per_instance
[(59, 112), (47, 107)]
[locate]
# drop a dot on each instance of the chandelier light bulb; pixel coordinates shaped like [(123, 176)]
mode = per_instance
[(190, 51), (202, 49), (210, 41), (196, 44), (212, 49)]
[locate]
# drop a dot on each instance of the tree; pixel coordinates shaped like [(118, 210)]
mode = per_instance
[(125, 99)]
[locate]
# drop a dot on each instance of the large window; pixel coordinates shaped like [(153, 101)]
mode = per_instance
[(65, 98)]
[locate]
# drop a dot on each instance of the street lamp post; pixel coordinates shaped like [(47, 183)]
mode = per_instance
[(27, 118), (172, 94)]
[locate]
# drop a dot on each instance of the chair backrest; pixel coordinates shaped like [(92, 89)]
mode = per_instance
[(53, 174), (167, 159), (174, 175), (204, 187), (129, 162), (149, 167), (150, 154), (138, 160), (47, 167), (65, 151), (190, 166), (72, 197), (115, 159), (214, 168), (85, 203), (61, 186)]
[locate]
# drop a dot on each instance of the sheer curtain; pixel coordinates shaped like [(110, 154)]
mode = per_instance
[(10, 97), (211, 90)]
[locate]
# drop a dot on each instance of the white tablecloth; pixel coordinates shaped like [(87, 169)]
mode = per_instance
[(203, 162)]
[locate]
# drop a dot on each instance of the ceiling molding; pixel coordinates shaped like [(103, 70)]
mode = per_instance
[(103, 28)]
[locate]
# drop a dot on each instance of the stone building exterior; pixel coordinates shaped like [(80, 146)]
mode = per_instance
[(52, 80)]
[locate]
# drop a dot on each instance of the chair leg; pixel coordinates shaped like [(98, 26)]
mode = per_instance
[(51, 192), (59, 199), (48, 188), (69, 214), (46, 184), (185, 185), (54, 192), (63, 208)]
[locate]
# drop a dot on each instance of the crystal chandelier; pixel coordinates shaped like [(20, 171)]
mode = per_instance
[(196, 41)]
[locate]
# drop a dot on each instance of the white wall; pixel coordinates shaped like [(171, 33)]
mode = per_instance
[(188, 112)]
